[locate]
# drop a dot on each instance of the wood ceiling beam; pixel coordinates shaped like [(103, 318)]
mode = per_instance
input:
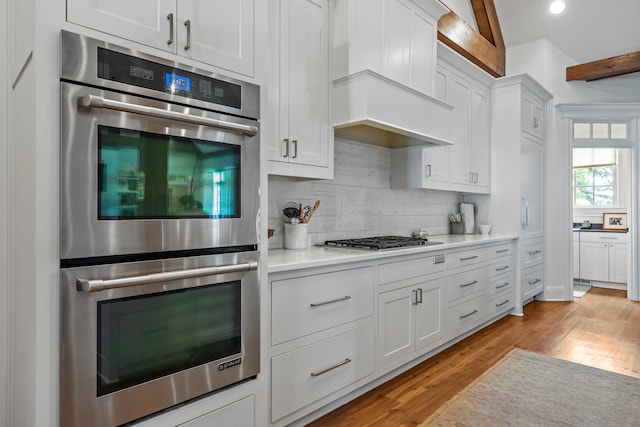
[(605, 68), (462, 38), (487, 22)]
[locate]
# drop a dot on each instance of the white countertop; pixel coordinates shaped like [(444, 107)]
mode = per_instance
[(280, 260)]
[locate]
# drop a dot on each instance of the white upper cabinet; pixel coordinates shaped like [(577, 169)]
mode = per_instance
[(303, 144), (216, 32), (533, 117), (394, 38)]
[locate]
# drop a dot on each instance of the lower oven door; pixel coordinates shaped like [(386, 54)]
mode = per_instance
[(142, 176), (141, 337)]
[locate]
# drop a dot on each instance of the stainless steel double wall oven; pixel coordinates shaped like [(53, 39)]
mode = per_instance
[(159, 233)]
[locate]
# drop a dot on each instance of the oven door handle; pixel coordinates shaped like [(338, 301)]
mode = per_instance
[(93, 101), (96, 285)]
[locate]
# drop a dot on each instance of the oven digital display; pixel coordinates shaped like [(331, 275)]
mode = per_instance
[(175, 82)]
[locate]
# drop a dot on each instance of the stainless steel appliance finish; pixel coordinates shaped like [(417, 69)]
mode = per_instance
[(81, 404), (381, 242), (173, 114)]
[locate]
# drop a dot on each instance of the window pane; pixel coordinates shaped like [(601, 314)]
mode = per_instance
[(582, 130), (603, 175), (603, 196), (619, 130), (584, 196), (584, 176), (601, 130)]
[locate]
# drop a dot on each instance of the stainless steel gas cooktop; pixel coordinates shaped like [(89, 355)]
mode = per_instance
[(378, 243)]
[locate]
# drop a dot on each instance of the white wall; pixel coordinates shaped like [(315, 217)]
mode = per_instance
[(358, 202)]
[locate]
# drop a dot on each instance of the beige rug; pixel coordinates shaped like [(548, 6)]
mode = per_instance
[(529, 389)]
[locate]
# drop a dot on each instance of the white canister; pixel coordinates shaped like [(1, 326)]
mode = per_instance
[(295, 236)]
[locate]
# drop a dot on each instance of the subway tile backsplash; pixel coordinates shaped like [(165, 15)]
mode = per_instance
[(359, 202)]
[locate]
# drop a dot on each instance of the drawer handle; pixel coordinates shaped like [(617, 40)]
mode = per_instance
[(418, 296), (503, 268), (468, 258), (468, 315), (502, 303), (504, 285), (501, 251), (469, 284), (533, 282), (337, 365), (318, 304), (534, 252)]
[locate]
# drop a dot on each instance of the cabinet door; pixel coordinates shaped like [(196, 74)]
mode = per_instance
[(459, 152), (429, 318), (532, 167), (594, 261), (149, 22), (533, 115), (395, 325), (436, 164), (396, 55), (221, 33), (308, 79), (480, 137), (618, 262)]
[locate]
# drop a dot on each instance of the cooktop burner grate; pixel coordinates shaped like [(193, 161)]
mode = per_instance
[(379, 242)]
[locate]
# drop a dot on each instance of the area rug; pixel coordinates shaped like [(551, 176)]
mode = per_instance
[(529, 389), (579, 289)]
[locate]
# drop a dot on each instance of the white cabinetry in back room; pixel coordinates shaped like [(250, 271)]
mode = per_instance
[(216, 32), (302, 143), (603, 256)]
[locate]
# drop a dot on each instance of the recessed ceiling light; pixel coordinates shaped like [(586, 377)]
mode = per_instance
[(556, 7)]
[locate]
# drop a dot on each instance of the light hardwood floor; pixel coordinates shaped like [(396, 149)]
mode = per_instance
[(601, 329)]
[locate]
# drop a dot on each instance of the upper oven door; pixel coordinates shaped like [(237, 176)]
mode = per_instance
[(141, 176)]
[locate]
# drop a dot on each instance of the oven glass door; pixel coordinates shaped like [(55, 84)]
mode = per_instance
[(137, 183), (152, 176), (147, 337)]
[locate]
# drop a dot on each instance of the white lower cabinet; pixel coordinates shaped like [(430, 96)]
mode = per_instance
[(410, 319), (302, 376), (603, 256), (532, 282), (236, 414), (336, 329)]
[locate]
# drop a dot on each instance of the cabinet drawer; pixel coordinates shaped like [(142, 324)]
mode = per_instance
[(304, 305), (463, 258), (500, 266), (500, 284), (603, 236), (532, 281), (236, 414), (305, 375), (465, 316), (408, 269), (500, 303), (465, 283), (506, 249), (532, 252)]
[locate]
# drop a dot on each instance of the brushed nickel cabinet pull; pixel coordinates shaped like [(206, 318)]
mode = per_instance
[(533, 282), (187, 24), (170, 19), (468, 315), (337, 365), (469, 284), (286, 145), (318, 304), (504, 285), (502, 303), (469, 258), (502, 268), (501, 251)]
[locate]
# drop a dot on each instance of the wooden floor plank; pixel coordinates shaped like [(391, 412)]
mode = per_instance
[(601, 329)]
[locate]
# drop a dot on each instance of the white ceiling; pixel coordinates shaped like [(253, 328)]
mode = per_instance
[(586, 31)]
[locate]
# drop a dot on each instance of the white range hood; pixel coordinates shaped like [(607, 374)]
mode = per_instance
[(371, 108)]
